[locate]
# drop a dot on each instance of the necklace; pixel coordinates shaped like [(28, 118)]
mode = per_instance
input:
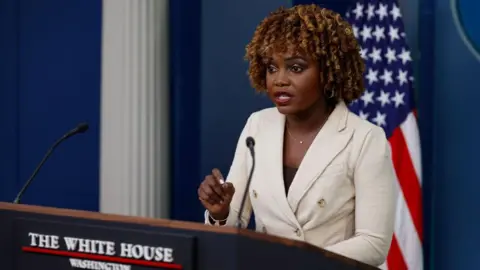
[(301, 141), (295, 139)]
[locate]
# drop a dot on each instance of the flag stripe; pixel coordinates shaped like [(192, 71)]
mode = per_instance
[(404, 232), (407, 237), (407, 178), (412, 138), (395, 257)]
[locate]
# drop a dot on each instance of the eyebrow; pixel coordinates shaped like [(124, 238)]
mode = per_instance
[(291, 58), (295, 58)]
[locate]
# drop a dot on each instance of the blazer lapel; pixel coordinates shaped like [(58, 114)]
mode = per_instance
[(270, 159), (329, 142)]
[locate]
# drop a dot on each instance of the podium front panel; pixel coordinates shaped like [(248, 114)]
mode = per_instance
[(62, 245), (58, 239)]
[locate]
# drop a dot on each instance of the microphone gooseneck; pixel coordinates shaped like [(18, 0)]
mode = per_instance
[(250, 144), (81, 128)]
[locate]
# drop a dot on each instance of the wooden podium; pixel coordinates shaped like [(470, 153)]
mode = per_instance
[(42, 238)]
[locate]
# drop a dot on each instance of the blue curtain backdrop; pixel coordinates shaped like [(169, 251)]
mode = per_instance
[(50, 54)]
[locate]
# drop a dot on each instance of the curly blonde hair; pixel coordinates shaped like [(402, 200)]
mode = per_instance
[(321, 34)]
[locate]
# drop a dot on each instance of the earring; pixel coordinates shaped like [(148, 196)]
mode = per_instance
[(330, 95)]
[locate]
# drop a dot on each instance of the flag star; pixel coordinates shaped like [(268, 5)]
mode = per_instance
[(363, 53), (370, 11), (402, 77), (372, 76), (405, 56), (380, 119), (363, 115), (398, 99), (358, 11), (390, 55), (395, 12), (393, 33), (384, 98), (367, 98), (386, 77), (382, 11), (366, 33), (387, 98), (379, 33), (375, 55)]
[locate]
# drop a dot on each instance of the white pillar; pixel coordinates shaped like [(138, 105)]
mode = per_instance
[(134, 163)]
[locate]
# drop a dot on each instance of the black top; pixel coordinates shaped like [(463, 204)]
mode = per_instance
[(288, 175)]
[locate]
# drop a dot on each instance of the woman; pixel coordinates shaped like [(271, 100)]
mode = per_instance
[(323, 175)]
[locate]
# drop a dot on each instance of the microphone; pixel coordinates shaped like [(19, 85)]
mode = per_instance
[(81, 128), (250, 144)]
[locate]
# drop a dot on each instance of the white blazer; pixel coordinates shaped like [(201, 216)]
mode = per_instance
[(342, 198)]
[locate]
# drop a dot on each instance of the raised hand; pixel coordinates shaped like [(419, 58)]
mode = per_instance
[(216, 194)]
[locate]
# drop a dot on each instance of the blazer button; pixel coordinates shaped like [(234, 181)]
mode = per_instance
[(254, 194), (264, 230), (298, 232), (321, 203)]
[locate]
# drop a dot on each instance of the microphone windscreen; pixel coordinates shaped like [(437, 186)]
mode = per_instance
[(82, 127), (250, 142)]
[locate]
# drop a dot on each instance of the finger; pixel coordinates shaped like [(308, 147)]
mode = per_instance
[(204, 193), (205, 203), (215, 185), (211, 195), (218, 175), (228, 189)]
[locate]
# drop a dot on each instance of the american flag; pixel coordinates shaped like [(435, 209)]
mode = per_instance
[(388, 101)]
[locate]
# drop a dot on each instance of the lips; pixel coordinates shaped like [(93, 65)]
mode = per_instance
[(282, 97)]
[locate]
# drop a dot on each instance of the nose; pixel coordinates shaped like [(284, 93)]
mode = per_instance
[(280, 83), (281, 79)]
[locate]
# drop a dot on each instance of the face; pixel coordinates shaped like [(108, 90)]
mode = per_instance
[(293, 83)]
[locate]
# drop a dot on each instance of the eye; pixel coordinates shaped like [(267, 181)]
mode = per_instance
[(296, 68), (271, 69)]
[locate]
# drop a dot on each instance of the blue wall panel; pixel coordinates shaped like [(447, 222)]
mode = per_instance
[(211, 94), (227, 97), (456, 132), (425, 83), (57, 70), (8, 98)]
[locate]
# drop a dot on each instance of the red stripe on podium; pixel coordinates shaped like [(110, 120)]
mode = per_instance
[(95, 257)]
